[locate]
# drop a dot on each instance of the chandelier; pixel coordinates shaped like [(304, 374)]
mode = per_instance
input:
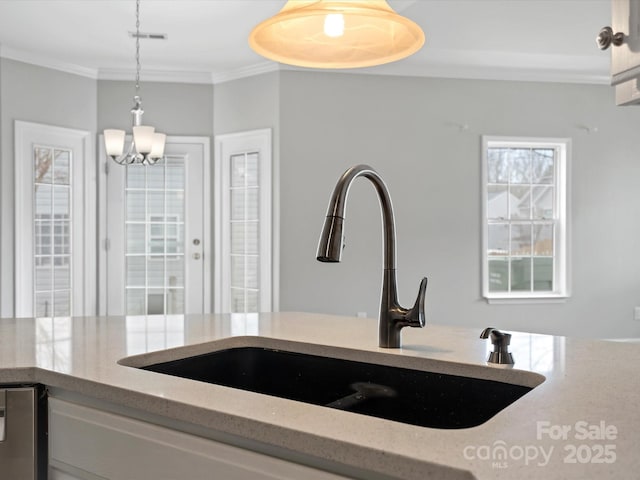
[(336, 34), (147, 146)]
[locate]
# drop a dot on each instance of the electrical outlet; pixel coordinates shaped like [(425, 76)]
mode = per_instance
[(636, 313)]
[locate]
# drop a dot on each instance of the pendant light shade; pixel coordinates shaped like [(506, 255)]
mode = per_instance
[(336, 34), (143, 138)]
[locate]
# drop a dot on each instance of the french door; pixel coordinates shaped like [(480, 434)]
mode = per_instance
[(54, 211), (155, 256), (246, 274)]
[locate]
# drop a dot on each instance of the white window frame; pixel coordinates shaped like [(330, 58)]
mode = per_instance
[(561, 263)]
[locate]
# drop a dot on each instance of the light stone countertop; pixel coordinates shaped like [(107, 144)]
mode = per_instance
[(591, 386)]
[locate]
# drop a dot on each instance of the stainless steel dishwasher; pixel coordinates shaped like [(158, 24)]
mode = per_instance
[(23, 425)]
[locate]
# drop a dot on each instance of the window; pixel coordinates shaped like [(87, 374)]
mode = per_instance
[(525, 218)]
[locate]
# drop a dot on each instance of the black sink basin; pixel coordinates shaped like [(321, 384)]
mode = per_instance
[(415, 397)]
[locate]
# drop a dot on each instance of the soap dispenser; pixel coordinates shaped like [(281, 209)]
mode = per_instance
[(500, 355)]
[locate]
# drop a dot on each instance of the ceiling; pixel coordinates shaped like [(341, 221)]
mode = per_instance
[(545, 40)]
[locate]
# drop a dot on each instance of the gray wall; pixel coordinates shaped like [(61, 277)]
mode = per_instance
[(40, 95), (249, 104), (172, 108), (407, 128)]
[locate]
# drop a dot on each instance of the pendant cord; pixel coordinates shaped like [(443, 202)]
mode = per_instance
[(137, 47)]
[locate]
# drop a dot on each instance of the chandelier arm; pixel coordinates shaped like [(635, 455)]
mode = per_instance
[(127, 156)]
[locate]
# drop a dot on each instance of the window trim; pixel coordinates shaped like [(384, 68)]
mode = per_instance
[(562, 227)]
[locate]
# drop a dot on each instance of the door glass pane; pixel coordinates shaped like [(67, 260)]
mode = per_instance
[(43, 207), (43, 160), (61, 167), (135, 205), (61, 202), (43, 304), (136, 176), (155, 215), (175, 206), (155, 176), (175, 173), (175, 301), (136, 304), (238, 172), (136, 271), (175, 271), (245, 210), (135, 238), (43, 273), (252, 169), (52, 231), (62, 303)]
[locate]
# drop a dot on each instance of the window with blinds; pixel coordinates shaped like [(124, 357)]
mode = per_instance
[(244, 230), (154, 224), (52, 231)]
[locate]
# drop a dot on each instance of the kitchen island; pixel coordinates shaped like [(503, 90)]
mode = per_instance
[(581, 422)]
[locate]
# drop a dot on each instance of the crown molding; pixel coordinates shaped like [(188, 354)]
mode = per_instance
[(249, 71), (46, 62), (488, 65), (146, 75), (442, 64)]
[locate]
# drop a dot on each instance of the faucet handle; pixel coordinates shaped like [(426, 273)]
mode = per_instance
[(416, 316), (500, 341)]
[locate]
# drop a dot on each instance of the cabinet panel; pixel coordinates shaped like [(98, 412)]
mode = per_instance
[(117, 447), (625, 58)]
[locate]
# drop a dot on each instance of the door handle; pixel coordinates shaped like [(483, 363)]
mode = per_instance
[(196, 256)]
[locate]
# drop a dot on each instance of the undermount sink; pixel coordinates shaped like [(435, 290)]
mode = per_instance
[(423, 398)]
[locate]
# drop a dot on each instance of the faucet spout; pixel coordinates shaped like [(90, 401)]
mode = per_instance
[(393, 317)]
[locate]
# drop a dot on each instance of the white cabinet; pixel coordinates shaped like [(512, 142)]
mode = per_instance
[(90, 444), (625, 56)]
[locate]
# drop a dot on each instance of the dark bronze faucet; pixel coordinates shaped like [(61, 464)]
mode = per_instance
[(393, 317)]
